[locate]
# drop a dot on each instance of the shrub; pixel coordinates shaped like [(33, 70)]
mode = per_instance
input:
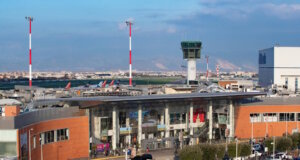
[(295, 140), (244, 149), (283, 144), (209, 151), (232, 149), (268, 143), (191, 153), (220, 151)]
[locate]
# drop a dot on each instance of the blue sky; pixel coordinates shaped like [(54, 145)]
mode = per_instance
[(90, 35)]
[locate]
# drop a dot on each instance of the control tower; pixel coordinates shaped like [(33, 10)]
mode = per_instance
[(191, 52)]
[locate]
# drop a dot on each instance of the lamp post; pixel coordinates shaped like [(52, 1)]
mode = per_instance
[(274, 147), (41, 139), (286, 124), (236, 147), (29, 143)]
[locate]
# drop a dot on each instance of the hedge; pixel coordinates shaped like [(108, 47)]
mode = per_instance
[(213, 151)]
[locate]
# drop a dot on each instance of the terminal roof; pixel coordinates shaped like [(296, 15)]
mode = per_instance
[(85, 102)]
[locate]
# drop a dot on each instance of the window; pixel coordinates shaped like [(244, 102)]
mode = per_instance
[(286, 82), (255, 117), (287, 117), (49, 137), (291, 116), (270, 117), (298, 115), (282, 116), (62, 134), (34, 142), (262, 58)]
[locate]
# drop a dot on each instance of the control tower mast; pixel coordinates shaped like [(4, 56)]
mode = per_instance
[(191, 52)]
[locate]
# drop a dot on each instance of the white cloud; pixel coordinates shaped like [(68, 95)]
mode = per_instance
[(249, 67), (160, 66), (224, 64), (171, 29), (283, 11)]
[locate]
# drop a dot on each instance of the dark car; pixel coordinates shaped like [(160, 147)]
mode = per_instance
[(143, 157)]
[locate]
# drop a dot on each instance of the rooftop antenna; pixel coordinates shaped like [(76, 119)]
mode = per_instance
[(129, 23), (30, 19)]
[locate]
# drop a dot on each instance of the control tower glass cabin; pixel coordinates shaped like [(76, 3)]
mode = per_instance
[(191, 52)]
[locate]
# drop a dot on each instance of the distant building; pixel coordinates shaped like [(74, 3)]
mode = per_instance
[(280, 66)]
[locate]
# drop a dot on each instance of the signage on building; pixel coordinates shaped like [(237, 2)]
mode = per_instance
[(161, 127), (125, 130), (222, 119)]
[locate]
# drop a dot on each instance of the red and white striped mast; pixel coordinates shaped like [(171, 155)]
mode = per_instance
[(206, 67), (30, 19), (218, 70), (129, 23)]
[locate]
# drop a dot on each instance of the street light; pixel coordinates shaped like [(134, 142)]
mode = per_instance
[(236, 147), (30, 143), (273, 147)]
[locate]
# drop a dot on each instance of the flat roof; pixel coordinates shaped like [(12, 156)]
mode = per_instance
[(85, 102)]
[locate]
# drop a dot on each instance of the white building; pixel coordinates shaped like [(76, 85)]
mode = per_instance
[(280, 66)]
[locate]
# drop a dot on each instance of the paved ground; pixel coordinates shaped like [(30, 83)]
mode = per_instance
[(157, 155)]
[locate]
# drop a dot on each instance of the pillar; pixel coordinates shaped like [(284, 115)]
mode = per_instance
[(162, 119), (191, 118), (97, 125), (167, 121), (231, 120), (186, 119), (115, 127), (140, 120), (210, 119)]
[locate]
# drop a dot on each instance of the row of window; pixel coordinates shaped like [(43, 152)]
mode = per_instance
[(274, 117), (54, 136)]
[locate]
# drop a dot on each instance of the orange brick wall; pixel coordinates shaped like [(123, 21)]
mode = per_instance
[(11, 111), (224, 83), (243, 128), (76, 147)]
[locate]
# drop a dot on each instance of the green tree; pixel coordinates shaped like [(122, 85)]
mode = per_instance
[(295, 140), (283, 144), (269, 145)]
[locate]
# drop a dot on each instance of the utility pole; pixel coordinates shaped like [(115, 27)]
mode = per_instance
[(129, 23), (206, 67), (30, 19)]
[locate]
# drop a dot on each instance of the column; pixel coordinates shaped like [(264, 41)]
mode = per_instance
[(191, 118), (97, 124), (187, 119), (231, 120), (167, 121), (140, 120), (162, 119), (210, 118), (115, 127), (128, 137)]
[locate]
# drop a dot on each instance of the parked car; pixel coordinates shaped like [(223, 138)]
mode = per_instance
[(143, 157), (273, 158), (283, 155), (256, 147)]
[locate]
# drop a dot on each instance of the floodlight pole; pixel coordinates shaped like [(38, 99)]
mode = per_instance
[(129, 23), (30, 19)]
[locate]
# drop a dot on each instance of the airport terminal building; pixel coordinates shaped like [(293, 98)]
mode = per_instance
[(153, 121), (112, 123)]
